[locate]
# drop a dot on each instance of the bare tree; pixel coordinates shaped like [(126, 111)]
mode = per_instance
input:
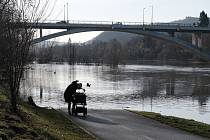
[(15, 40)]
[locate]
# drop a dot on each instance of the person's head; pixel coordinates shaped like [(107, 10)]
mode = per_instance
[(75, 82), (77, 85)]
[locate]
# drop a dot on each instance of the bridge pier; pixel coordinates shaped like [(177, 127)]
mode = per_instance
[(40, 30), (197, 39)]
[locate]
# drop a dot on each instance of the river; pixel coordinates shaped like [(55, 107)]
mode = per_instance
[(182, 91)]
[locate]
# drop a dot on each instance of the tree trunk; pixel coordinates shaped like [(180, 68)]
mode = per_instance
[(14, 101)]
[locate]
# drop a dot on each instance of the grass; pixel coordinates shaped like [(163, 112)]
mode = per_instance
[(36, 123), (3, 97), (191, 126)]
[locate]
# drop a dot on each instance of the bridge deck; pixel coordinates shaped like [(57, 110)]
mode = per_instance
[(161, 27)]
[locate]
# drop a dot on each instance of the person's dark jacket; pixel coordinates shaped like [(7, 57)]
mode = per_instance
[(70, 90)]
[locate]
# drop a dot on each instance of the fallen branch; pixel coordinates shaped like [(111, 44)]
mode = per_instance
[(31, 102)]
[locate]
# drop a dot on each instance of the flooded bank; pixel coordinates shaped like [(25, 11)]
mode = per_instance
[(171, 90)]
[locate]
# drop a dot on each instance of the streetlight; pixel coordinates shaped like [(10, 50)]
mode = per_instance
[(67, 12), (143, 15), (64, 12), (152, 13)]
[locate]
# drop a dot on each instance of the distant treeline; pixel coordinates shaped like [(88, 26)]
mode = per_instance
[(114, 53)]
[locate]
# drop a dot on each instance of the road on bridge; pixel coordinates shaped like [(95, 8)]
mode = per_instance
[(124, 125)]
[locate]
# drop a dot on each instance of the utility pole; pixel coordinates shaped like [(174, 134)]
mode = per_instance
[(64, 13), (143, 15), (152, 14), (67, 12)]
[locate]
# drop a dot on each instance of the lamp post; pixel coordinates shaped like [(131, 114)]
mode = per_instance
[(64, 13), (67, 14), (143, 15), (152, 13)]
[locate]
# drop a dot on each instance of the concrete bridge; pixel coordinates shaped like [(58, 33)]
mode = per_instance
[(163, 31)]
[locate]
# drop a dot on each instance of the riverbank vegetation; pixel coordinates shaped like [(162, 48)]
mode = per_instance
[(16, 37), (18, 120), (191, 126), (36, 123)]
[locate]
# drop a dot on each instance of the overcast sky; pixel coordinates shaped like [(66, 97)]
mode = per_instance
[(125, 10)]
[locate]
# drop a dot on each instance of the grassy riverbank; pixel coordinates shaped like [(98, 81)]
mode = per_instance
[(191, 126), (36, 123)]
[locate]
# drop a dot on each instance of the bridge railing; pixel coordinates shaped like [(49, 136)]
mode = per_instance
[(117, 22), (78, 22)]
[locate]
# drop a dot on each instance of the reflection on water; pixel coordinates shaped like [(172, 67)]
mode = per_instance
[(170, 90)]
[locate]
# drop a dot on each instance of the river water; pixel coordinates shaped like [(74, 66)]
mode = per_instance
[(170, 90)]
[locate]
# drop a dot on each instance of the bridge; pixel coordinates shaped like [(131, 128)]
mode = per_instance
[(163, 31)]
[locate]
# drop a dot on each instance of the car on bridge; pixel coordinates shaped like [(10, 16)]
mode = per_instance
[(61, 22), (117, 25)]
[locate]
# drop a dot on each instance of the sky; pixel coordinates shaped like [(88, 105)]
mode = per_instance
[(122, 10)]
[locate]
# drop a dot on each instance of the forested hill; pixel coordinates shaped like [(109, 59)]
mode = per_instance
[(108, 36), (187, 20)]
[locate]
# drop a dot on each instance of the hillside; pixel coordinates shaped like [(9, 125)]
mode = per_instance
[(187, 20), (108, 36), (36, 123)]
